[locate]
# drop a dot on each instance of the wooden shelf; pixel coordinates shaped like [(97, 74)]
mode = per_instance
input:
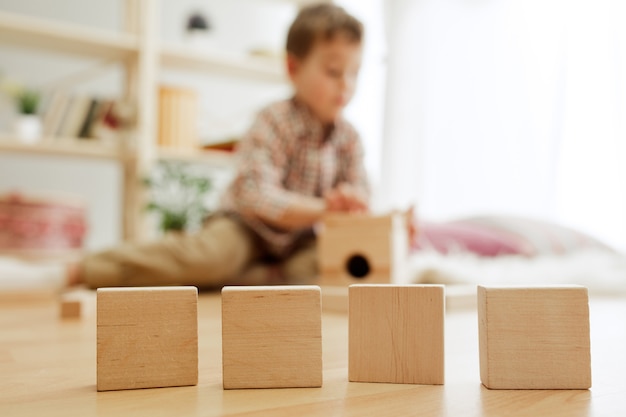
[(214, 157), (189, 58), (83, 148), (48, 35)]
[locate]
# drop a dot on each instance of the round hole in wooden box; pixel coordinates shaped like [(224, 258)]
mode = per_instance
[(358, 266)]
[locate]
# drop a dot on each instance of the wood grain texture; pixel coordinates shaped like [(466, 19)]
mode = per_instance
[(396, 334), (458, 297), (147, 337), (47, 369), (534, 337), (381, 240), (271, 337)]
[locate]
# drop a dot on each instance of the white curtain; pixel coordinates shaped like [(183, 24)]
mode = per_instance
[(508, 107)]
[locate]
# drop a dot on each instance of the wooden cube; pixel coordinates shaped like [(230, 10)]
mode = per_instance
[(271, 337), (363, 249), (76, 303), (147, 337), (70, 309), (534, 337), (396, 334)]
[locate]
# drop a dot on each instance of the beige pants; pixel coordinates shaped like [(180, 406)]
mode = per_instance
[(223, 252)]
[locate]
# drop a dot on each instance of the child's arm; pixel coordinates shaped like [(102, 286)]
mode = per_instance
[(352, 170), (303, 211)]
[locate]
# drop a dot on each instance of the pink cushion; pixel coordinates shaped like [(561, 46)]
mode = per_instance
[(458, 237), (502, 235)]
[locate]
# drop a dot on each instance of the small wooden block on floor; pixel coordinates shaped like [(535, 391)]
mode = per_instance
[(534, 337), (396, 333), (147, 337), (70, 308), (76, 303), (271, 337)]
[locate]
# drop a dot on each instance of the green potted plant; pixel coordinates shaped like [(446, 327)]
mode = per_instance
[(177, 195), (27, 125)]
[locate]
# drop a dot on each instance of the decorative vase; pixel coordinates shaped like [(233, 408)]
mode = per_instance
[(199, 34), (28, 128)]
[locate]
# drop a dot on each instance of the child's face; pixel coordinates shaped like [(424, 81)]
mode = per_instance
[(325, 79)]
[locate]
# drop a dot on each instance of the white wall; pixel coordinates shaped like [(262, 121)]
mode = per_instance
[(367, 110), (509, 107)]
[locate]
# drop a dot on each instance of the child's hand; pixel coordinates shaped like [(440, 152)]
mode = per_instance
[(345, 198)]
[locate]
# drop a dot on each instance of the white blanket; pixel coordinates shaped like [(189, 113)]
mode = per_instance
[(603, 272), (21, 275)]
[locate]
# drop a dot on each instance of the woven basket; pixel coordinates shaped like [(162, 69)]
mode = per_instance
[(41, 222)]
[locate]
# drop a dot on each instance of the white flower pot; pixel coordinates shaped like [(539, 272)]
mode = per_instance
[(28, 128)]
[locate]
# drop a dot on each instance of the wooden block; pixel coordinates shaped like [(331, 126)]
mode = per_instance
[(147, 337), (396, 334), (70, 309), (363, 249), (77, 303), (534, 337), (271, 337)]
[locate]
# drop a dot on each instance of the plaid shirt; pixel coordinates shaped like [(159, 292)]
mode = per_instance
[(287, 153)]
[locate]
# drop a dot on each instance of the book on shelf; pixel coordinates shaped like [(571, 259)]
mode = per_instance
[(75, 116), (86, 117), (53, 113), (178, 118), (85, 127)]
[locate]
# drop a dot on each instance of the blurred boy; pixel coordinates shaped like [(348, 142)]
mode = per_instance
[(299, 160)]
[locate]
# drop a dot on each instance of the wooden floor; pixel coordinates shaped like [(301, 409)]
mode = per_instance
[(47, 368)]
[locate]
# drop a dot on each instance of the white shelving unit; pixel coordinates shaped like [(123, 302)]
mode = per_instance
[(140, 51), (44, 34), (256, 68), (63, 147)]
